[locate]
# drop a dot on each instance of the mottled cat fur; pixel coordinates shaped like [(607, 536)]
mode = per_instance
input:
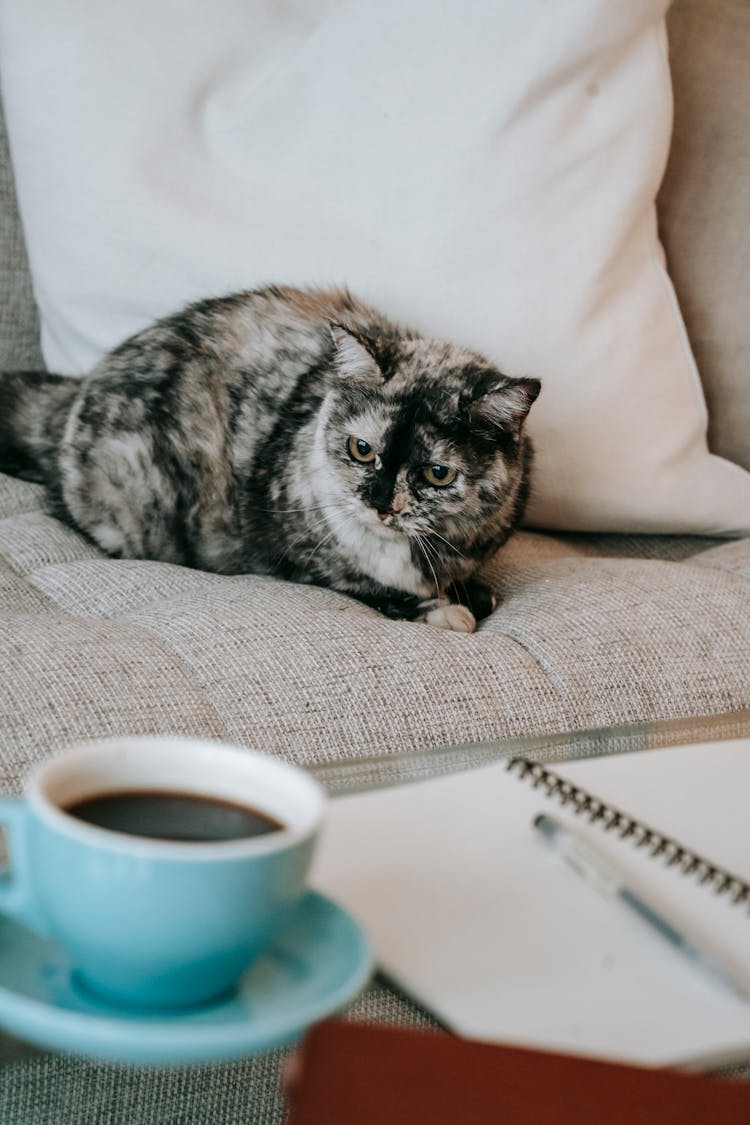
[(290, 432)]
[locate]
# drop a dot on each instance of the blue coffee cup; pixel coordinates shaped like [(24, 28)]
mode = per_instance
[(149, 922)]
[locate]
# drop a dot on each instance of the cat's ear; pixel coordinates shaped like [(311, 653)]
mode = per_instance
[(354, 362), (505, 405)]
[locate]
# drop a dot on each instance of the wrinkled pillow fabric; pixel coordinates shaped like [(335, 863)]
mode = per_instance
[(485, 172)]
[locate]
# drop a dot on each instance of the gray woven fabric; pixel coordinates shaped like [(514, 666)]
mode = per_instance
[(92, 646), (703, 206), (44, 1089), (19, 325)]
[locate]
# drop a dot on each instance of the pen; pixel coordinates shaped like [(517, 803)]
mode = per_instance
[(584, 859)]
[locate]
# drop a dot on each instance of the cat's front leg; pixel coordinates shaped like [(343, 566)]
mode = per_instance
[(438, 612), (446, 614), (465, 604), (477, 597)]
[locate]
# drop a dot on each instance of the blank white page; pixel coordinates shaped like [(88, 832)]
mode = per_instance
[(475, 916)]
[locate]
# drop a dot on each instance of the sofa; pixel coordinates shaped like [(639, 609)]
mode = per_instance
[(591, 630)]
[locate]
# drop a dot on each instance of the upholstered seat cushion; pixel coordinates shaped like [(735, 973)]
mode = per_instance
[(585, 635)]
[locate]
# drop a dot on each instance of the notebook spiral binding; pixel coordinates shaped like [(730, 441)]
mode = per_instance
[(671, 852)]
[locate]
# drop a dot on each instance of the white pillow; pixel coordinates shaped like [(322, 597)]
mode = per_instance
[(485, 171)]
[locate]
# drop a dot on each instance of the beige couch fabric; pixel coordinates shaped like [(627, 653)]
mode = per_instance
[(92, 646), (590, 630), (703, 206)]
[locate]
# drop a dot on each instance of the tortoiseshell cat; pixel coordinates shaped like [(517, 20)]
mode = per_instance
[(290, 432)]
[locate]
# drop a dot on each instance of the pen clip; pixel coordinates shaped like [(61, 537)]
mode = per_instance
[(577, 855)]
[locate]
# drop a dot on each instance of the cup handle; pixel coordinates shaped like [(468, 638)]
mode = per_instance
[(17, 898)]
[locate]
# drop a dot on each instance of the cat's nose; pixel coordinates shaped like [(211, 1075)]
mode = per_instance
[(383, 515)]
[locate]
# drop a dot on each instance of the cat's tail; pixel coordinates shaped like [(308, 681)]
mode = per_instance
[(34, 406)]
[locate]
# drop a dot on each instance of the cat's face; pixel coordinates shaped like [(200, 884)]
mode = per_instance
[(425, 440)]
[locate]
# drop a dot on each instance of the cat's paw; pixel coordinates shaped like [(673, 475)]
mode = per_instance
[(457, 618), (477, 597)]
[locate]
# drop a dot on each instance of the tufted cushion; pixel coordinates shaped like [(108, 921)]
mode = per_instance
[(582, 637)]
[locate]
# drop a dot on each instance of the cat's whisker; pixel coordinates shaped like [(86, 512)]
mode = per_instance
[(340, 508), (325, 539), (321, 520), (428, 548), (296, 511), (443, 540), (420, 544), (451, 545), (308, 530)]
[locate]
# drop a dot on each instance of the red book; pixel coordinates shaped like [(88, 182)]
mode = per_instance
[(355, 1074)]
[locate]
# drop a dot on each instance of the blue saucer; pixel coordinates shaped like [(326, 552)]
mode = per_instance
[(319, 962)]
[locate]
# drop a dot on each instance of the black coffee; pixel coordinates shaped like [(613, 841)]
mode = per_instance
[(186, 817)]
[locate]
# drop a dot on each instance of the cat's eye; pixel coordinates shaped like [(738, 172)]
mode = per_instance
[(439, 475), (361, 450)]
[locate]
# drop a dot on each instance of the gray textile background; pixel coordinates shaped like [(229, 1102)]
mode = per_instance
[(43, 1089), (591, 629), (582, 637), (19, 324), (704, 214)]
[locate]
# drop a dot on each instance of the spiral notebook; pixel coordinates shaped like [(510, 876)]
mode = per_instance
[(475, 917)]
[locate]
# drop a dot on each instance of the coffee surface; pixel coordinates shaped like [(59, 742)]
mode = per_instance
[(166, 815)]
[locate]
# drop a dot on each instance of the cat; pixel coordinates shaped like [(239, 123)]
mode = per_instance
[(291, 432)]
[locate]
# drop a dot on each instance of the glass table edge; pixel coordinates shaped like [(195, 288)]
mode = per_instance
[(356, 775)]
